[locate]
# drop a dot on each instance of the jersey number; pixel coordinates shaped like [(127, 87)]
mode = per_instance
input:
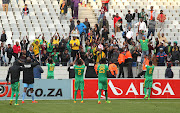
[(79, 72), (51, 69), (150, 71)]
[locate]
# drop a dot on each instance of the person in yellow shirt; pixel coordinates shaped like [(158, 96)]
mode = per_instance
[(55, 39), (75, 43), (100, 54), (36, 48)]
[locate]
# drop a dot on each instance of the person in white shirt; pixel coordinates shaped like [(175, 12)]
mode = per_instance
[(135, 18), (129, 35), (141, 28)]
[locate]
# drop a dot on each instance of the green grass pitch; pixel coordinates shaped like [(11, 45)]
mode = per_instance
[(91, 106)]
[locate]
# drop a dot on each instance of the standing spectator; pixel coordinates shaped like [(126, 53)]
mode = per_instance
[(76, 6), (105, 2), (161, 57), (55, 39), (161, 45), (50, 47), (117, 23), (161, 17), (44, 58), (141, 28), (128, 60), (175, 54), (86, 22), (105, 33), (113, 70), (5, 4), (2, 55), (65, 58), (143, 15), (72, 8), (129, 35), (96, 31), (162, 37), (81, 28), (151, 29), (55, 56), (43, 44), (25, 11), (36, 48), (151, 13), (23, 56), (3, 37), (9, 51), (129, 19), (121, 61), (104, 22), (156, 45), (62, 45), (136, 16), (24, 44), (154, 60), (102, 10), (168, 48), (151, 48), (30, 53), (135, 54), (72, 25), (115, 55), (169, 58), (37, 70), (63, 9), (74, 43), (100, 54), (16, 50), (169, 73)]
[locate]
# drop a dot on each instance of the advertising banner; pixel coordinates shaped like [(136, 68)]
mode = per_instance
[(131, 88), (44, 89)]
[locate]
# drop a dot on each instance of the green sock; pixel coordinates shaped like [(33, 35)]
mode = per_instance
[(82, 95), (106, 95), (75, 94), (145, 91), (12, 95), (149, 92), (99, 95), (16, 97)]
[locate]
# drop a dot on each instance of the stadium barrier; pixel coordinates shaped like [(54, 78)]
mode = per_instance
[(132, 89), (43, 89)]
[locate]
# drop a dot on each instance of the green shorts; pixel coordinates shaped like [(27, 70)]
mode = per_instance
[(103, 85), (15, 87), (50, 77), (79, 85), (148, 83)]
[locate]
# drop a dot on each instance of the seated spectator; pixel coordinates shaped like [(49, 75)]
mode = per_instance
[(162, 37), (161, 57), (3, 37), (151, 27), (24, 44), (16, 50), (2, 55), (9, 54), (175, 54), (113, 69), (161, 17), (117, 23), (129, 19), (55, 57), (105, 33), (5, 4), (141, 28), (135, 54), (65, 58), (63, 9), (169, 73), (168, 48), (102, 10), (44, 57), (25, 11), (104, 22)]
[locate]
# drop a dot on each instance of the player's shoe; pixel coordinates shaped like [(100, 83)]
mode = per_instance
[(16, 104), (74, 101), (82, 101), (22, 102), (108, 101), (11, 102), (148, 98), (99, 102), (34, 101), (145, 96)]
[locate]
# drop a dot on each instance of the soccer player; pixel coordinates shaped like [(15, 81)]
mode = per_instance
[(51, 66), (103, 73), (14, 72), (148, 80), (79, 79)]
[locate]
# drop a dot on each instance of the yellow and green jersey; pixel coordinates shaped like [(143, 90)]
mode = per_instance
[(149, 71), (79, 71), (102, 72), (50, 69)]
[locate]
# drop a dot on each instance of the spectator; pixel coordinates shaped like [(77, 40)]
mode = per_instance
[(161, 45), (115, 55), (75, 43), (72, 25), (30, 53), (136, 16), (102, 10), (143, 15), (2, 55), (62, 45), (100, 54), (162, 37), (161, 57), (16, 50), (154, 60), (56, 39), (105, 33), (169, 73), (65, 58), (156, 45), (36, 48), (43, 44), (9, 51), (151, 48), (81, 28), (151, 14), (23, 56), (37, 70), (50, 47), (24, 44), (76, 6), (151, 29), (96, 31), (63, 9), (44, 57), (161, 17), (129, 18), (169, 58), (117, 23), (121, 61), (25, 11), (135, 54), (132, 46), (82, 53), (55, 57), (3, 37), (5, 4), (168, 48), (175, 54), (113, 70), (89, 57), (141, 28), (105, 2), (129, 35), (72, 8), (104, 22), (128, 61), (87, 24)]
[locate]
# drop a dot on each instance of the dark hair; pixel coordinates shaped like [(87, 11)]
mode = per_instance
[(79, 62), (78, 21), (103, 61), (150, 62), (50, 61), (25, 4)]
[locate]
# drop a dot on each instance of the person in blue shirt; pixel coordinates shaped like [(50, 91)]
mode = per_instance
[(81, 28), (161, 57)]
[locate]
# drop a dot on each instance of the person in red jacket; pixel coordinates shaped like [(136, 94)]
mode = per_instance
[(117, 23), (105, 2), (16, 50), (102, 10)]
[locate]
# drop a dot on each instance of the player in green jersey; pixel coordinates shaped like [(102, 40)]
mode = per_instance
[(103, 73), (51, 66), (148, 80), (79, 78)]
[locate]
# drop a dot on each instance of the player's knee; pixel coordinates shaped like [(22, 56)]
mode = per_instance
[(31, 90)]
